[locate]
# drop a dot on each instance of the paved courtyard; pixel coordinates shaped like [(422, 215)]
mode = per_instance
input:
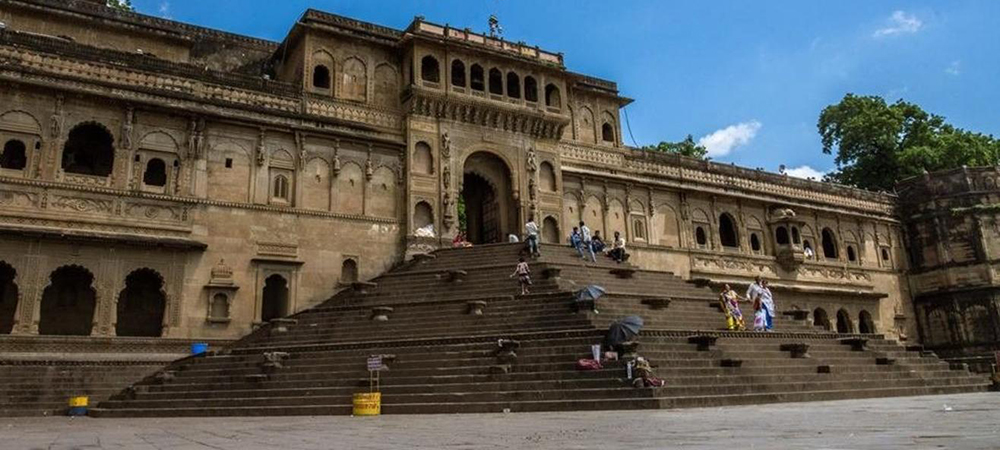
[(970, 421)]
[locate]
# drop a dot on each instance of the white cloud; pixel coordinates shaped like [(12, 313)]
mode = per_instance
[(954, 68), (805, 172), (164, 9), (721, 142), (900, 23)]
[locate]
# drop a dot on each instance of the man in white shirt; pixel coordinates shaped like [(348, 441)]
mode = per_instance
[(754, 290), (531, 230), (587, 244), (618, 248)]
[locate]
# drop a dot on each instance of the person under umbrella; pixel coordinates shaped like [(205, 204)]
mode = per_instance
[(588, 296), (622, 331)]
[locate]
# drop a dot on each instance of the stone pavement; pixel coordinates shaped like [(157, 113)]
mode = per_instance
[(967, 421)]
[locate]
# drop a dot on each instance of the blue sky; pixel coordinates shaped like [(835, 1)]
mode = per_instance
[(747, 78)]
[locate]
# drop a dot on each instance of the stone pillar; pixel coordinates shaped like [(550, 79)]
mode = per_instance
[(31, 285), (106, 285)]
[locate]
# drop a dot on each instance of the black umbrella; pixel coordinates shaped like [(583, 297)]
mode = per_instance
[(623, 331)]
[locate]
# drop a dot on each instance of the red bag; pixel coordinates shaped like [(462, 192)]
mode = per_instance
[(588, 364)]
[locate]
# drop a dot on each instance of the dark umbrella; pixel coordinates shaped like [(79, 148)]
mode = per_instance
[(623, 331), (590, 294)]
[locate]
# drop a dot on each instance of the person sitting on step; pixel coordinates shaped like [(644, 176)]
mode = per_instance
[(618, 249), (597, 242)]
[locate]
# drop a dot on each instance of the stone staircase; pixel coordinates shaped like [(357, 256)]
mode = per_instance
[(38, 374), (458, 340)]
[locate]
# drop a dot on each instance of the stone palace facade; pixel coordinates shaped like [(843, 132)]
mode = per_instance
[(164, 180)]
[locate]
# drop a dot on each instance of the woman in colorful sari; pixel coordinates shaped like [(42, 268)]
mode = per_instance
[(731, 306)]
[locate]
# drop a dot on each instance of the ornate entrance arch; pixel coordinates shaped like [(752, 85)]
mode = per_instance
[(488, 193)]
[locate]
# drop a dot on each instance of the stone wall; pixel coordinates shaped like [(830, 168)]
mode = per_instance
[(952, 218)]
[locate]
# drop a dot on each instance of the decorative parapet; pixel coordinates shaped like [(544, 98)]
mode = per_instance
[(420, 26), (487, 114), (147, 74), (683, 170), (808, 273), (353, 113)]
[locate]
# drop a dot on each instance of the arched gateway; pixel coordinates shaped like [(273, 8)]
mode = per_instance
[(488, 193)]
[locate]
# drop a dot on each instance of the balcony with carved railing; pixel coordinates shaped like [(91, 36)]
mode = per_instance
[(724, 176)]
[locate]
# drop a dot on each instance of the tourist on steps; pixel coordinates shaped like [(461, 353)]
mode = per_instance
[(597, 242), (586, 243), (523, 274), (574, 239), (767, 304), (531, 230), (618, 248), (730, 301)]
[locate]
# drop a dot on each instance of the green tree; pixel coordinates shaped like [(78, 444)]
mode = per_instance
[(121, 5), (877, 144), (687, 147)]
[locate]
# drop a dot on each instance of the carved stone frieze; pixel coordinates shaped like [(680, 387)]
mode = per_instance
[(18, 199), (82, 204)]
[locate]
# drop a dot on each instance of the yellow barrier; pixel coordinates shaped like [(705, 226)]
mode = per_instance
[(78, 402), (368, 404)]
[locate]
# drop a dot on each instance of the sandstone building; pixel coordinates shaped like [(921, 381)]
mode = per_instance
[(160, 179)]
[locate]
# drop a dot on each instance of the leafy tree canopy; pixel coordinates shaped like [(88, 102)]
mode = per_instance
[(877, 144), (122, 5), (687, 147)]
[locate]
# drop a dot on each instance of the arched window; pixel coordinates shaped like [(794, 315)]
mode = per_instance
[(781, 236), (219, 308), (727, 231), (14, 156), (546, 177), (820, 319), (850, 254), (274, 303), (477, 79), (550, 230), (496, 81), (141, 305), (607, 132), (430, 70), (349, 271), (423, 215), (530, 89), (423, 161), (638, 229), (513, 85), (754, 243), (8, 297), (68, 303), (280, 188), (844, 324), (321, 77), (552, 97), (699, 236), (829, 244), (885, 254), (458, 73), (89, 151), (795, 235), (156, 173), (865, 323)]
